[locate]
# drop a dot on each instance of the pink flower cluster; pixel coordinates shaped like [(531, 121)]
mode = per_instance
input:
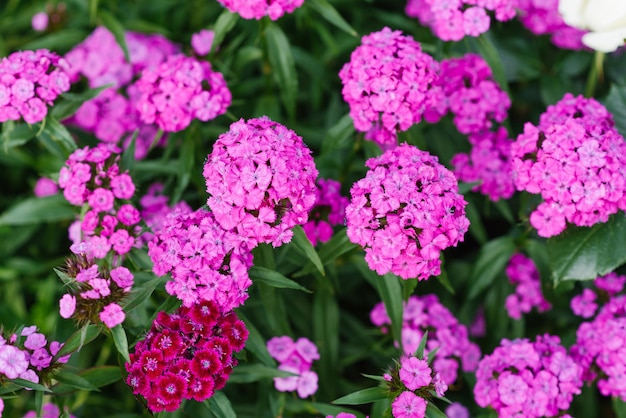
[(457, 410), (206, 262), (387, 84), (93, 176), (575, 160), (29, 355), (49, 410), (453, 19), (467, 89), (257, 9), (445, 333), (261, 181), (523, 274), (522, 378), (489, 163), (404, 212), (29, 82), (542, 17), (329, 210), (585, 305), (155, 210), (179, 90), (295, 357), (185, 355)]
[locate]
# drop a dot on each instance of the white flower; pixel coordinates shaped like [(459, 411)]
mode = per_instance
[(604, 19)]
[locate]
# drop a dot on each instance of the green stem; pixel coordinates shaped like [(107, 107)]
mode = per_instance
[(596, 73)]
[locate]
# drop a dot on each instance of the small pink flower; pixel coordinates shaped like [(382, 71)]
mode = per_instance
[(112, 315), (307, 384), (408, 405), (40, 21), (45, 187), (414, 373), (13, 361), (202, 41), (67, 306)]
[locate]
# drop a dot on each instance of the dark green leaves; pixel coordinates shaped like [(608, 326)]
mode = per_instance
[(37, 210), (79, 338), (116, 28), (302, 242), (615, 102), (274, 279), (362, 396), (283, 66), (121, 342), (492, 259), (328, 12)]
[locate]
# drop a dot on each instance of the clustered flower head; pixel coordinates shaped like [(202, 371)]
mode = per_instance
[(30, 81), (205, 261), (387, 84), (466, 88), (297, 358), (257, 9), (534, 379), (49, 410), (585, 306), (523, 274), (92, 176), (575, 160), (404, 212), (445, 334), (95, 292), (155, 210), (329, 210), (260, 178), (179, 90), (542, 17), (186, 355), (28, 355), (452, 20), (488, 163)]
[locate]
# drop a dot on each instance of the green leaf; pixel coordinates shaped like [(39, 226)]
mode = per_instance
[(102, 375), (492, 259), (67, 280), (465, 188), (619, 407), (185, 167), (408, 287), (489, 52), (338, 245), (256, 343), (69, 103), (445, 281), (128, 155), (433, 412), (121, 342), (74, 380), (362, 397), (583, 253), (390, 291), (283, 66), (615, 103), (15, 135), (116, 28), (326, 332), (419, 353), (36, 210), (225, 22), (220, 406), (57, 41), (328, 12), (78, 339), (338, 135), (247, 373), (140, 294), (30, 385), (274, 279), (302, 242), (57, 132), (374, 377)]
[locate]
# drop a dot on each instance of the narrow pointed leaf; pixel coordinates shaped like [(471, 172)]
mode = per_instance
[(121, 342), (283, 66), (328, 12), (302, 242), (116, 28), (74, 380), (220, 406), (79, 338), (36, 210), (492, 259), (274, 279), (362, 397)]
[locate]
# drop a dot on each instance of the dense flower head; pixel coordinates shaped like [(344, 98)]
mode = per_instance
[(445, 333), (206, 262), (186, 355), (542, 17), (488, 163), (155, 209), (466, 88), (452, 20), (575, 160), (30, 81), (49, 410), (387, 84), (329, 210), (257, 9), (523, 274), (535, 379), (295, 357), (404, 212), (179, 90), (260, 178)]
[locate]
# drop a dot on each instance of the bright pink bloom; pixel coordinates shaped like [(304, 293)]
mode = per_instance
[(414, 373), (112, 315), (408, 405)]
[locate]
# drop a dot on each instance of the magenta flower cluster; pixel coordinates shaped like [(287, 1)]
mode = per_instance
[(260, 178), (585, 306), (29, 355), (329, 209), (530, 379), (49, 410), (257, 9), (542, 17), (523, 274), (30, 81), (297, 358), (206, 262), (179, 90), (452, 20), (92, 176), (575, 160), (186, 355), (488, 163), (155, 210), (387, 84), (466, 88), (445, 334), (404, 212)]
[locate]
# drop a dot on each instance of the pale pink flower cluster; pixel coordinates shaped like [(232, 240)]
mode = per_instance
[(260, 178), (445, 333), (329, 210), (30, 81), (257, 9), (523, 274), (387, 84), (542, 17), (530, 379), (405, 211), (575, 160), (452, 20), (295, 357), (206, 262)]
